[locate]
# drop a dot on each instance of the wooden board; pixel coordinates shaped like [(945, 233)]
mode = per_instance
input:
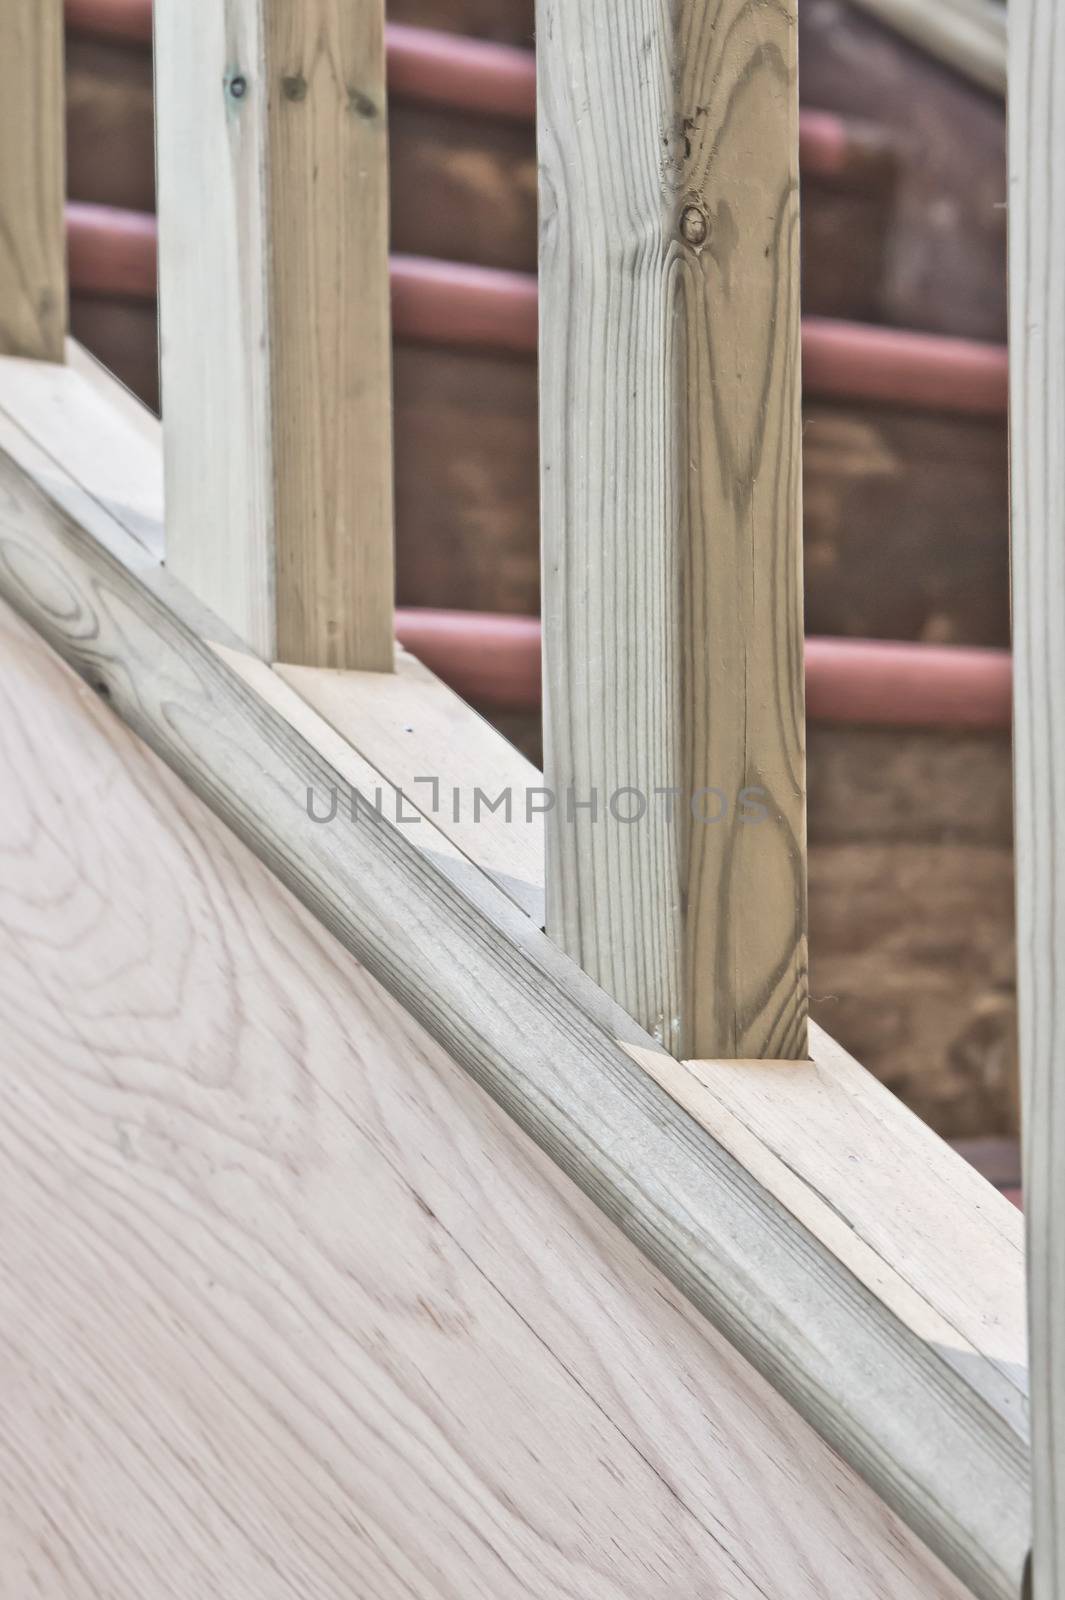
[(1037, 382), (276, 358), (893, 498), (930, 1417), (359, 1337), (671, 515), (33, 281), (463, 185)]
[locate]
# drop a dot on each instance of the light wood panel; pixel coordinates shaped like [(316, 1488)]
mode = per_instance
[(33, 266), (919, 1412), (1037, 368), (478, 790), (359, 1337), (670, 473), (274, 309)]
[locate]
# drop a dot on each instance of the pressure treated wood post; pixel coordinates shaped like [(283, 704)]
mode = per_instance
[(275, 328), (1037, 428), (33, 261), (671, 513)]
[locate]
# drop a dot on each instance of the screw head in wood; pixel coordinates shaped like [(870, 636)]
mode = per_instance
[(238, 87)]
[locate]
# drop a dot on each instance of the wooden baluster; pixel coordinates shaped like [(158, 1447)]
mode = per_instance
[(276, 356), (672, 554), (1037, 381), (33, 261)]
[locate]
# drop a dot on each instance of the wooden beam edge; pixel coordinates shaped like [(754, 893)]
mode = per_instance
[(934, 1435)]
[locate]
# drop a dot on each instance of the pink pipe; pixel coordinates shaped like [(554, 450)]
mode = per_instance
[(875, 681), (128, 20), (494, 661), (442, 302), (445, 302), (445, 69), (891, 365)]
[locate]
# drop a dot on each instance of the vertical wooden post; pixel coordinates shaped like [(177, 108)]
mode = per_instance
[(33, 260), (671, 513), (1037, 429), (275, 327)]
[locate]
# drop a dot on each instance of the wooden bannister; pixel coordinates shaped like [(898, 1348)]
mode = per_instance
[(33, 278), (276, 356), (672, 556)]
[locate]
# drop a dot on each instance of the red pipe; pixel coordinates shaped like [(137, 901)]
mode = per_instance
[(112, 253), (444, 69), (128, 20), (894, 366), (445, 302), (908, 685), (494, 661), (491, 661)]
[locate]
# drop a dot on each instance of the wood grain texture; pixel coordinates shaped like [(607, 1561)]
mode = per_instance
[(935, 1439), (276, 360), (1037, 382), (447, 761), (359, 1337), (671, 512), (33, 266)]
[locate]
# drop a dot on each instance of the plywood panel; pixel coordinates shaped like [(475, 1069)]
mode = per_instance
[(290, 1307)]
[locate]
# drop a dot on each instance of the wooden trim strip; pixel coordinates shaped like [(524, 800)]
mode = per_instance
[(274, 333), (113, 253), (1037, 485), (933, 1422), (33, 276)]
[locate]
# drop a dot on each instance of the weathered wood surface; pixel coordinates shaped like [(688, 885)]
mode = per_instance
[(33, 275), (929, 1417), (892, 497), (671, 514), (1037, 379), (276, 354), (359, 1336), (463, 185), (479, 792), (911, 914)]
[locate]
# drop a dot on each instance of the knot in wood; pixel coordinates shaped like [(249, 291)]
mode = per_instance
[(694, 225)]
